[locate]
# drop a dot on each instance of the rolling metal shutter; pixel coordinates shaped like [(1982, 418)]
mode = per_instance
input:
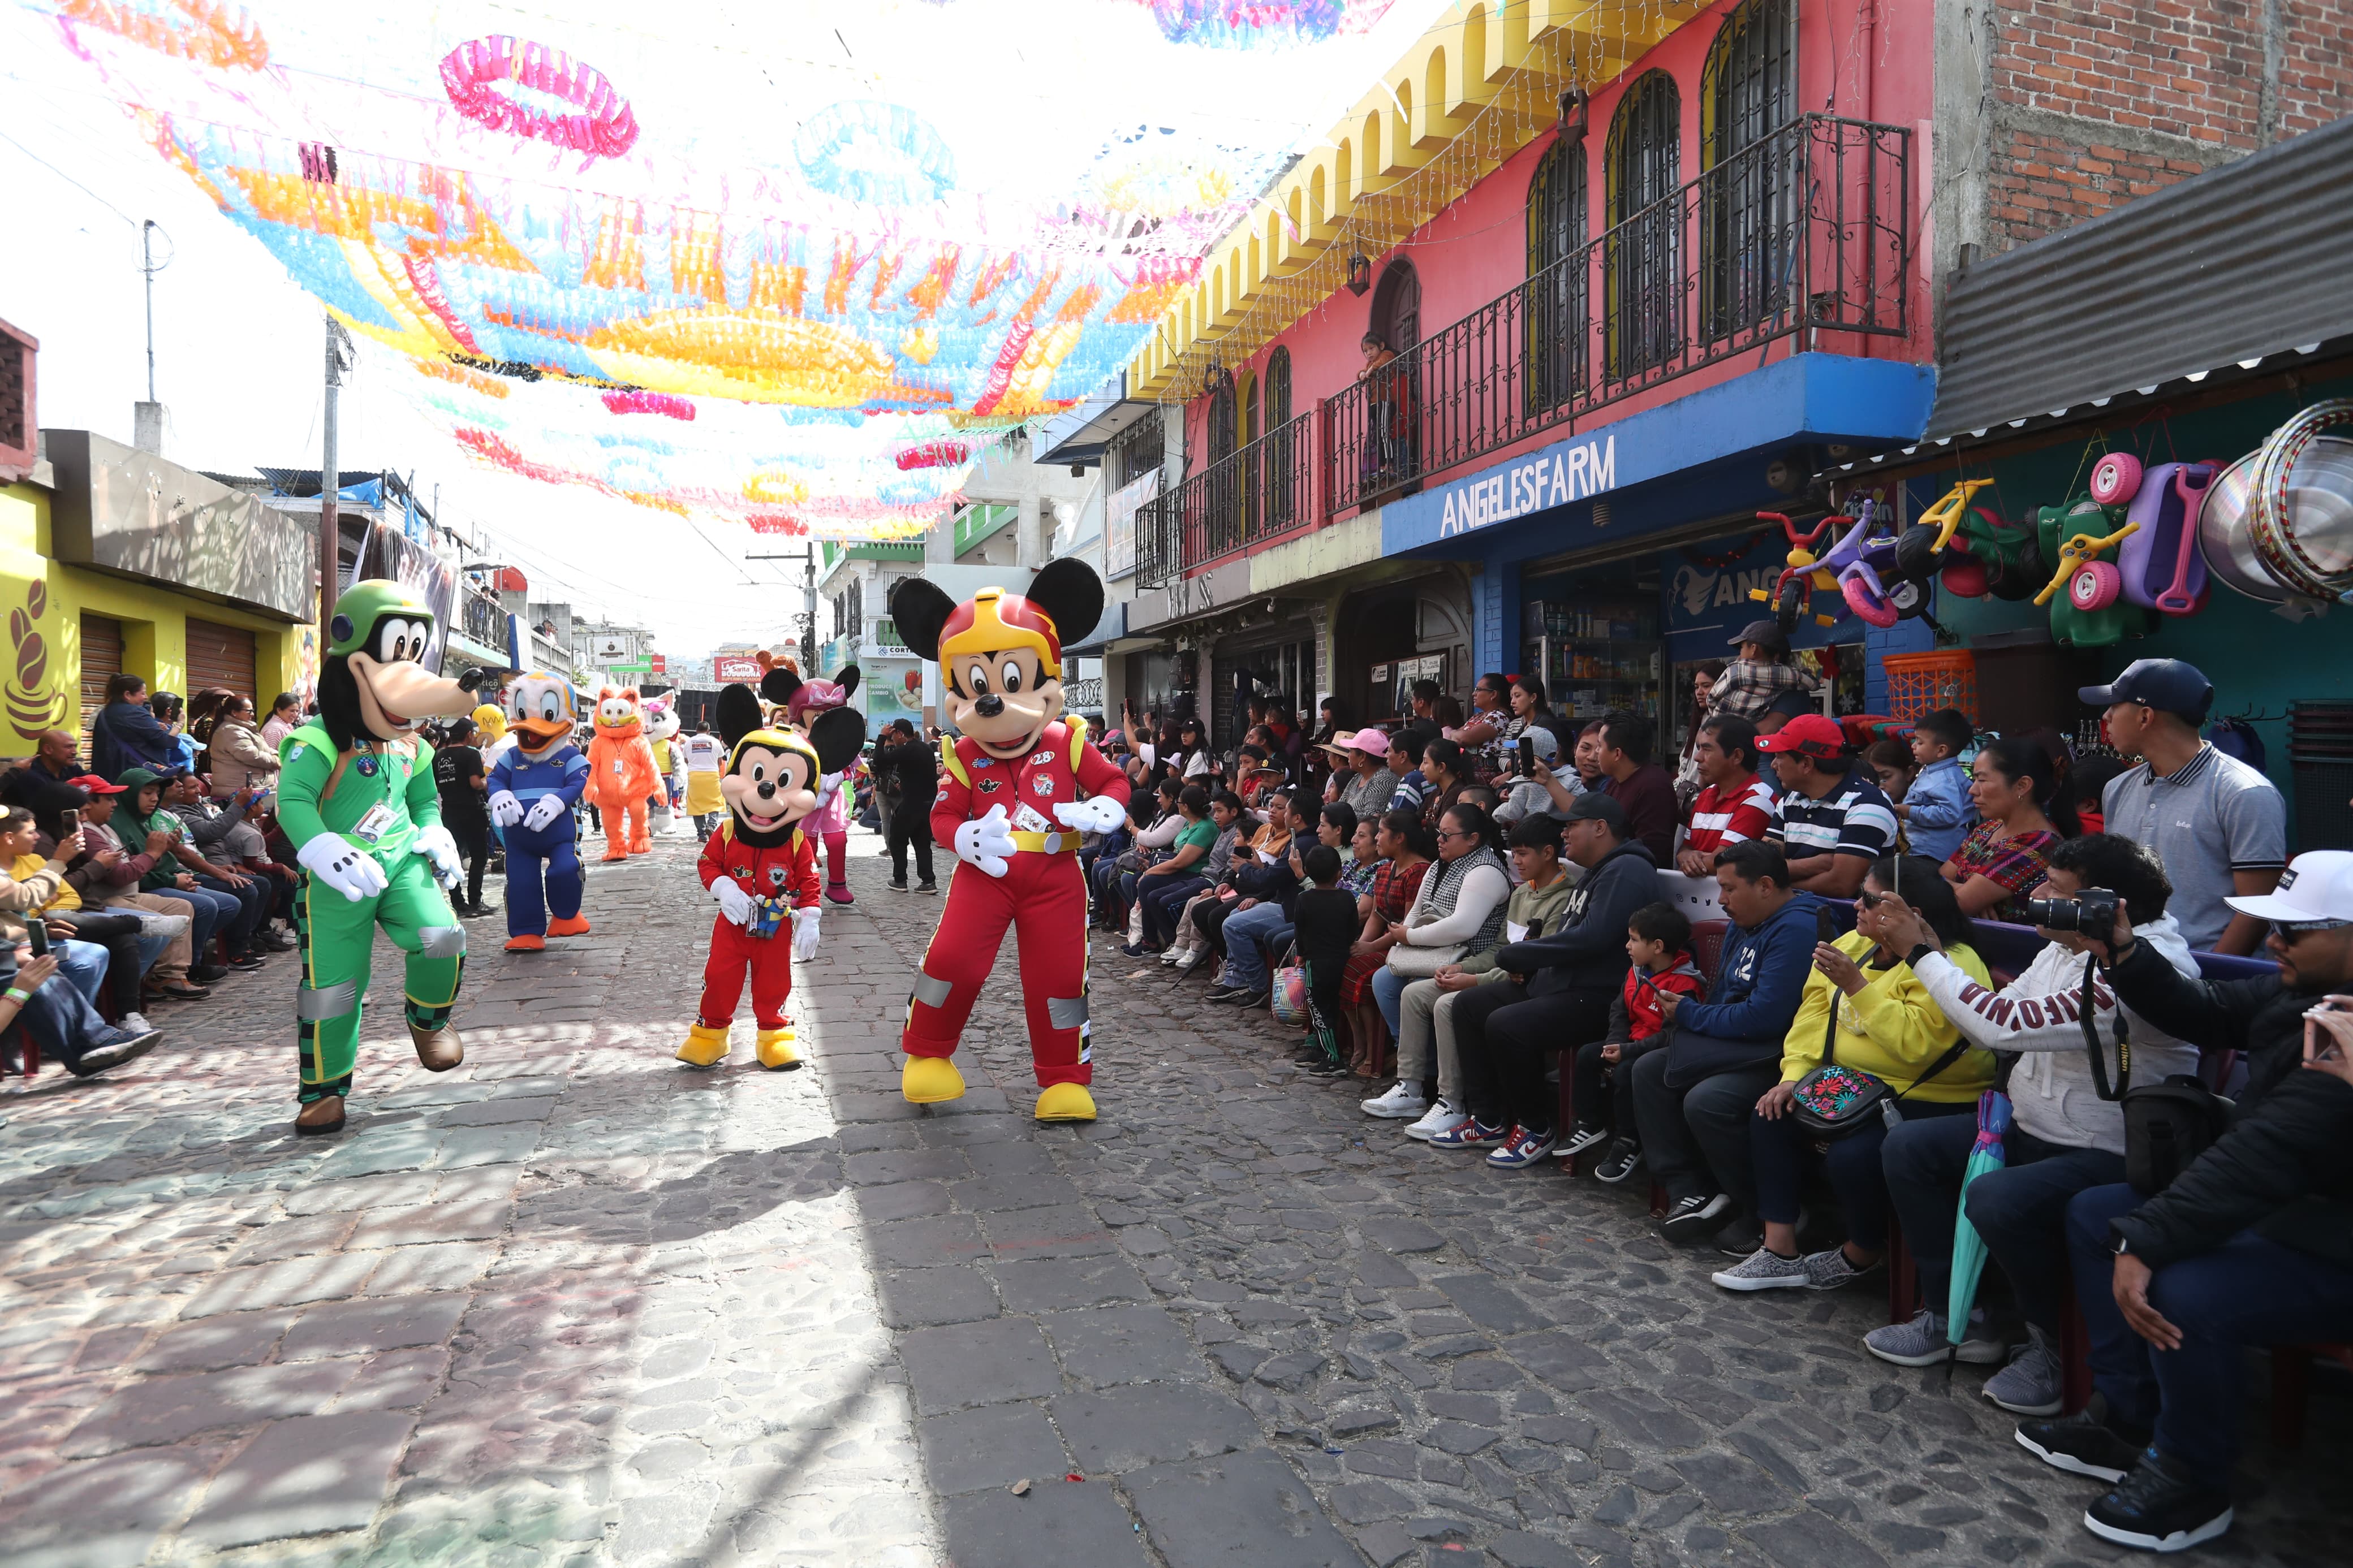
[(220, 655), (101, 660)]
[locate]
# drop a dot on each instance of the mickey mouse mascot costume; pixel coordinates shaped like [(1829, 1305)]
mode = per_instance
[(357, 797), (1022, 787), (760, 865)]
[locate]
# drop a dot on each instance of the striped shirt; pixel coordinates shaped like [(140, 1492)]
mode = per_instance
[(1854, 819), (1729, 816)]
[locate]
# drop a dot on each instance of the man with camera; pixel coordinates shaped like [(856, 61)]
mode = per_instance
[(2068, 1132), (2250, 1244)]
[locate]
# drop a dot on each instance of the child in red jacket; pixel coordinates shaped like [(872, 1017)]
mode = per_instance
[(1657, 941)]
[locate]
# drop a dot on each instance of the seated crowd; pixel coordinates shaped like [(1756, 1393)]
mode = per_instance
[(1494, 943), (147, 874)]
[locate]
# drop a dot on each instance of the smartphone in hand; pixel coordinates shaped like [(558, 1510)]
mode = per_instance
[(1527, 755)]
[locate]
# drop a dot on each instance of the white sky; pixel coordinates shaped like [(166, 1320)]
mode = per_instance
[(238, 355)]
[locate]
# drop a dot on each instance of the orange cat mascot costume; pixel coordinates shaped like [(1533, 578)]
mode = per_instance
[(1022, 785), (621, 773)]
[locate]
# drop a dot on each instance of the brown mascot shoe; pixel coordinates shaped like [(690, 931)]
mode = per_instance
[(440, 1049), (321, 1116)]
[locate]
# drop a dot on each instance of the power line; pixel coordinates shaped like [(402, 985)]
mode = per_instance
[(69, 179)]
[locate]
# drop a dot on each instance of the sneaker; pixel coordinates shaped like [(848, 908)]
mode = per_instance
[(1744, 1236), (1241, 997), (900, 886), (2088, 1443), (1441, 1117), (206, 974), (1323, 1067), (1172, 956), (1580, 1139), (2158, 1508), (1521, 1148), (134, 1023), (247, 965), (1763, 1269), (1469, 1133), (927, 887), (1619, 1164), (2034, 1382), (1137, 949), (272, 941), (112, 1047), (1694, 1219), (1222, 993), (1403, 1102), (1922, 1341), (1832, 1270)]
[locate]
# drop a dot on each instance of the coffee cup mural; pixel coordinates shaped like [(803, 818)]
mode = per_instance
[(32, 705)]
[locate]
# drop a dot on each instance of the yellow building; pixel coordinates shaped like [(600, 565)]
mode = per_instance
[(112, 559)]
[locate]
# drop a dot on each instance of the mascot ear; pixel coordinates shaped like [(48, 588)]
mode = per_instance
[(837, 733), (1072, 596), (605, 691), (919, 609), (779, 686), (848, 682), (630, 693), (739, 714)]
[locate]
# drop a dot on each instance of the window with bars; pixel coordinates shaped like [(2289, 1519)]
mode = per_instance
[(1281, 504), (1640, 270), (1556, 273), (1136, 451), (1750, 212)]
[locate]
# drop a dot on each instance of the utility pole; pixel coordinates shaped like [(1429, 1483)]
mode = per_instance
[(147, 418), (807, 617), (330, 482)]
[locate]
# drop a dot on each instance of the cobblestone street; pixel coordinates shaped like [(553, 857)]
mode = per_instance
[(575, 1304)]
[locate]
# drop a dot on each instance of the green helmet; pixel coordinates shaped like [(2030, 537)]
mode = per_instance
[(364, 603)]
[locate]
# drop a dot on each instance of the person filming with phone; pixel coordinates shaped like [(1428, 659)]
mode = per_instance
[(2248, 1243)]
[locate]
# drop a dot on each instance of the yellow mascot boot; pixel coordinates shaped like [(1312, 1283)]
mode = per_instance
[(776, 1053), (703, 1047), (1065, 1102), (927, 1080)]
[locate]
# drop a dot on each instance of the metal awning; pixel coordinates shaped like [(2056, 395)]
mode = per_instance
[(1078, 435), (2226, 268)]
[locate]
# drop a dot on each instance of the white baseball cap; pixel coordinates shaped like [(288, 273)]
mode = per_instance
[(2317, 886)]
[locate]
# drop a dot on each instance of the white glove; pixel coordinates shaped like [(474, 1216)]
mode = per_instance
[(350, 872), (986, 842), (805, 933), (733, 902), (1100, 815), (440, 851), (505, 809), (544, 810)]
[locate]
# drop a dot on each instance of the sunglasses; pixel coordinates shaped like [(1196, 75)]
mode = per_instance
[(2296, 931)]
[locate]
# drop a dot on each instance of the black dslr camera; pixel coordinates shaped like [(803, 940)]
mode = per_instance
[(2092, 913)]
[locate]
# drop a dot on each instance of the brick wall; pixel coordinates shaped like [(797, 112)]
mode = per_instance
[(2092, 102)]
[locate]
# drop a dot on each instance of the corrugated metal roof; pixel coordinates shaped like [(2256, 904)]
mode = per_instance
[(2245, 261)]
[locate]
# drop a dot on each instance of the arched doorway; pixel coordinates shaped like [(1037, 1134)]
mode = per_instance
[(1392, 394)]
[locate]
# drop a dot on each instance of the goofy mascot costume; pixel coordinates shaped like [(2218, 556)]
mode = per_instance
[(1022, 785), (760, 865)]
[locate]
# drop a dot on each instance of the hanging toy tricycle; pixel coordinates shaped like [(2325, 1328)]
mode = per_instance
[(1853, 566), (2086, 594)]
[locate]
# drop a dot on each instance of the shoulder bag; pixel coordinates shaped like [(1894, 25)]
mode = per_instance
[(1832, 1102), (2167, 1125)]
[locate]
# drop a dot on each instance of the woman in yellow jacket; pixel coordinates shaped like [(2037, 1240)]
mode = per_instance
[(1889, 1026)]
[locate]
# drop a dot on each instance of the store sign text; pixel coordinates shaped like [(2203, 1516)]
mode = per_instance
[(1564, 474)]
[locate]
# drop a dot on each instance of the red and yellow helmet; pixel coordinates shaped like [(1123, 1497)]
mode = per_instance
[(993, 620)]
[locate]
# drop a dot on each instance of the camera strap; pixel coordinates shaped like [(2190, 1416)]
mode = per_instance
[(2092, 1038)]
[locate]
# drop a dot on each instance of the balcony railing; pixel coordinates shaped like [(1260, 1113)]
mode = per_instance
[(1261, 492), (483, 618), (1807, 230)]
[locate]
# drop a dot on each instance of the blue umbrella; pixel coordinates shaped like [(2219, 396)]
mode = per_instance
[(1968, 1247)]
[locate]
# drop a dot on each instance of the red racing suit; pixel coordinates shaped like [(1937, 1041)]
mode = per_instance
[(787, 870), (1041, 896)]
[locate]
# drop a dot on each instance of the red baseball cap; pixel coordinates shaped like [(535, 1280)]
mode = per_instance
[(1808, 735), (95, 784)]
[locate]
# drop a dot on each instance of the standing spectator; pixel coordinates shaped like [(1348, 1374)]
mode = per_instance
[(1759, 685), (1326, 917), (1687, 779), (1935, 810), (1645, 790), (1832, 820), (704, 758), (2251, 1245), (910, 771), (168, 710), (1507, 1034), (241, 759), (1735, 804), (1865, 1009), (2066, 1135), (2002, 858), (2219, 826), (464, 783), (285, 717), (1488, 727), (1694, 1099), (125, 733)]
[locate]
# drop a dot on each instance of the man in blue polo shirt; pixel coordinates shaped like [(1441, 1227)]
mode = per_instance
[(2217, 826)]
